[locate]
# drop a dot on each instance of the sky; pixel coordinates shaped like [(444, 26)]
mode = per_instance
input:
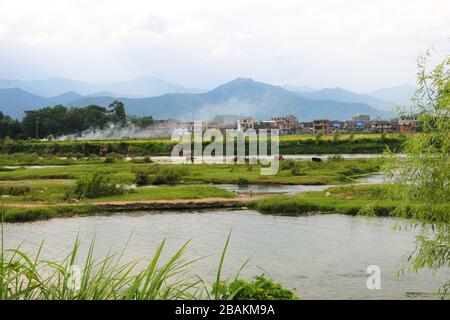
[(360, 45)]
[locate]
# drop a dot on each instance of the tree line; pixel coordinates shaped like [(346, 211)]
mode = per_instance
[(60, 120)]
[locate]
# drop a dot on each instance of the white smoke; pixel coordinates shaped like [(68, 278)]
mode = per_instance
[(116, 132), (232, 106), (165, 128)]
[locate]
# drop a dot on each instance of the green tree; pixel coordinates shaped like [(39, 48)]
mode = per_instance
[(422, 190), (118, 114), (143, 122), (9, 127)]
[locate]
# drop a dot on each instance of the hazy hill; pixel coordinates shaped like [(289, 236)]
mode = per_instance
[(241, 97), (294, 88), (140, 87), (14, 101), (398, 94), (342, 95), (65, 98)]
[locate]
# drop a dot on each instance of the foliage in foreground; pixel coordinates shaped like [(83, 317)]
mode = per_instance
[(24, 277), (259, 288), (423, 188)]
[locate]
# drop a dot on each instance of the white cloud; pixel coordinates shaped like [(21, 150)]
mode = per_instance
[(356, 44), (3, 31), (44, 39)]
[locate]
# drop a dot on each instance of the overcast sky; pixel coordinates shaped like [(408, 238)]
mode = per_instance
[(355, 44)]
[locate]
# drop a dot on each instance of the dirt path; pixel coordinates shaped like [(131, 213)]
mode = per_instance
[(145, 204), (177, 201)]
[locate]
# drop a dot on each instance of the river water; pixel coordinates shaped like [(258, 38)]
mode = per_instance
[(319, 256), (286, 189)]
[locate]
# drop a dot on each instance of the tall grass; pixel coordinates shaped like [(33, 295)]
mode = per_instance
[(31, 277), (23, 276)]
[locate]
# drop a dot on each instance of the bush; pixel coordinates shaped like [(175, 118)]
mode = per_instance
[(242, 182), (96, 186), (258, 289), (169, 175), (141, 176), (287, 164), (14, 190), (335, 158), (109, 160), (296, 171)]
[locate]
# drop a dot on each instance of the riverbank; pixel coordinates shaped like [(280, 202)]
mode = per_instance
[(371, 200), (20, 212), (344, 200), (348, 200)]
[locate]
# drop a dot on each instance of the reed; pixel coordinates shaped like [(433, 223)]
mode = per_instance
[(30, 277)]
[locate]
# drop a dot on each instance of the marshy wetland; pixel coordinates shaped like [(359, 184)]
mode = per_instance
[(319, 247)]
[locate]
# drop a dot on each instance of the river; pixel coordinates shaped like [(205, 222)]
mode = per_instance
[(319, 256)]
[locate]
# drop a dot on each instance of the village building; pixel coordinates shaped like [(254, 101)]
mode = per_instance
[(246, 124), (322, 125), (409, 124), (286, 125), (381, 126)]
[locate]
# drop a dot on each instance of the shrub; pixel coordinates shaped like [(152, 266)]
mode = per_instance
[(95, 186), (296, 171), (258, 289), (318, 136), (169, 175), (351, 137), (287, 164), (336, 136), (335, 158), (8, 145), (14, 190), (141, 176), (109, 159), (242, 181)]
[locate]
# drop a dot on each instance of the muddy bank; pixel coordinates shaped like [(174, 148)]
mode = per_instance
[(182, 204)]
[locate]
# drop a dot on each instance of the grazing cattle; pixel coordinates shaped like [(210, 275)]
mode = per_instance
[(279, 157), (314, 159)]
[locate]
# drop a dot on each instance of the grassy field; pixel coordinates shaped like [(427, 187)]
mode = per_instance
[(344, 200), (327, 172), (289, 144), (24, 192)]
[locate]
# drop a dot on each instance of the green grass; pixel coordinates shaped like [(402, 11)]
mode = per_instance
[(345, 200), (28, 159), (16, 214), (357, 199), (327, 172), (22, 188), (299, 144), (53, 205), (48, 192), (171, 193)]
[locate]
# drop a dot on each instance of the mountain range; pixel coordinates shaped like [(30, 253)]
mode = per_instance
[(242, 96), (140, 87), (398, 94)]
